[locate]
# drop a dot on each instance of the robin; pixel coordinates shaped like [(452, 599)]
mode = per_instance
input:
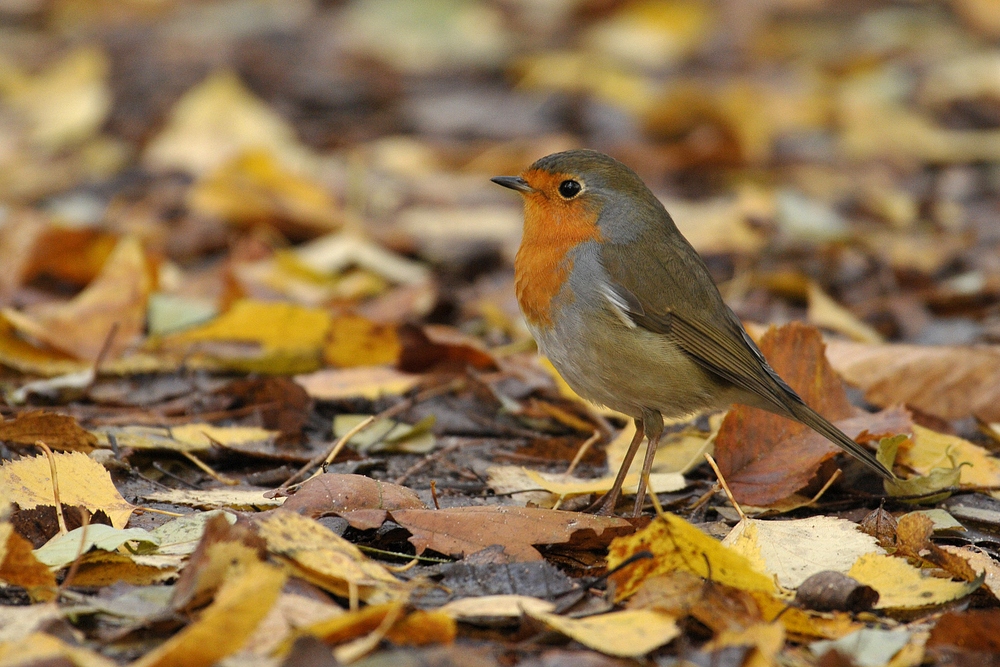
[(628, 313)]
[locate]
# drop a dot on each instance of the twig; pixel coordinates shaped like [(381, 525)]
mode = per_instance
[(434, 494), (327, 457), (204, 467), (427, 460), (580, 453), (75, 565), (55, 486), (725, 487)]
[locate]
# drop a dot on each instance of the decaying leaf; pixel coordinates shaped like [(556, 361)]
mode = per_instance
[(628, 634), (82, 482)]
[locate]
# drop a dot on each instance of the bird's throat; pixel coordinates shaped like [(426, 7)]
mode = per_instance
[(544, 260)]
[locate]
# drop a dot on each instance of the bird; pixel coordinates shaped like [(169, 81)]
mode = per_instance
[(627, 311)]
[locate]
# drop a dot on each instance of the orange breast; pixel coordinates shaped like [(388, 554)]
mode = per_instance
[(551, 230)]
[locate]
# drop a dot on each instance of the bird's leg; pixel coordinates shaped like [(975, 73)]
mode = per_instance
[(605, 505), (654, 429)]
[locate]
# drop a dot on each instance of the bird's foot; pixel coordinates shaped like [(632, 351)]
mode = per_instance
[(603, 506)]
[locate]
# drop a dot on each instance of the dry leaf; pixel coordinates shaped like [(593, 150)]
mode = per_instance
[(766, 458), (945, 381), (902, 586), (628, 634), (329, 493), (459, 531), (82, 482), (357, 341), (20, 567), (257, 336), (322, 557), (218, 120), (253, 189), (677, 545), (369, 382), (59, 432), (115, 302), (794, 550)]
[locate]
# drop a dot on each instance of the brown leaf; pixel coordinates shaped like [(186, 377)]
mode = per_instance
[(974, 630), (458, 531), (60, 432), (765, 457), (331, 493), (440, 348), (882, 526), (946, 382), (114, 301), (282, 404)]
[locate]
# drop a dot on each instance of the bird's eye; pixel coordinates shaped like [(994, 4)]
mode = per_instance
[(569, 189)]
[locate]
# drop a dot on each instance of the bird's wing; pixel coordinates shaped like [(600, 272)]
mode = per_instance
[(648, 278)]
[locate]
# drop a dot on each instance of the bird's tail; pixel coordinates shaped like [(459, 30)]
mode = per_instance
[(821, 425)]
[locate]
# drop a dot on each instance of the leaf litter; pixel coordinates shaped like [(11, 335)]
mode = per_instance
[(223, 248)]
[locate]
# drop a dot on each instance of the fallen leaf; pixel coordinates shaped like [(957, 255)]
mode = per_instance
[(82, 482), (981, 563), (929, 449), (794, 550), (67, 102), (834, 591), (22, 356), (115, 301), (459, 531), (320, 556), (902, 586), (868, 647), (358, 341), (62, 550), (627, 634), (335, 253), (247, 500), (329, 493), (824, 312), (218, 120), (927, 486), (569, 486), (59, 432), (436, 347), (17, 622), (387, 435), (224, 627), (475, 609), (767, 640), (20, 567), (257, 336), (369, 382), (764, 457), (677, 545), (949, 382), (974, 630), (253, 188), (42, 647)]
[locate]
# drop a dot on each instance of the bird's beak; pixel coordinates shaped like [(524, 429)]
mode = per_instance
[(514, 183)]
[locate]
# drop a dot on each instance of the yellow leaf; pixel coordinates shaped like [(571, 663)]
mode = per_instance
[(677, 545), (368, 382), (357, 341), (322, 557), (204, 435), (218, 120), (19, 567), (626, 634), (68, 102), (17, 353), (824, 312), (766, 638), (902, 586), (82, 482), (226, 625), (43, 648), (258, 336), (254, 188), (567, 485), (247, 500), (114, 301), (931, 449)]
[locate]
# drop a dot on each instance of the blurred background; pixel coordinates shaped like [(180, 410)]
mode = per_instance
[(834, 161)]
